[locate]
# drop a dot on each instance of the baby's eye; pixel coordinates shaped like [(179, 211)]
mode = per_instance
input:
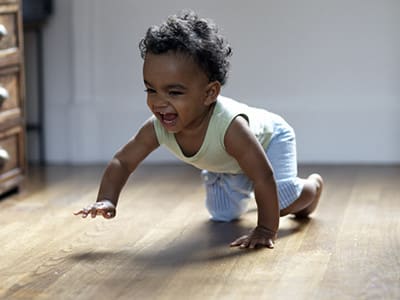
[(175, 93), (149, 91)]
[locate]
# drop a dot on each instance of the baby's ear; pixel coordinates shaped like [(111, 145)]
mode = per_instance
[(212, 92)]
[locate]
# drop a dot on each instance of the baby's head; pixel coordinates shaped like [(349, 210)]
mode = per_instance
[(193, 36)]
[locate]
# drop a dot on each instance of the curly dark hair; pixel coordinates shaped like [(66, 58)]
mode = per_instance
[(189, 34)]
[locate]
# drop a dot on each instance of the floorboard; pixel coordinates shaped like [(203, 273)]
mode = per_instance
[(162, 245)]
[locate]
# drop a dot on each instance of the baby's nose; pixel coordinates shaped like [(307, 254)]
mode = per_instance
[(159, 102)]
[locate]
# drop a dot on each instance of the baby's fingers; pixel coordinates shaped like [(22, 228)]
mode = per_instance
[(84, 212), (270, 244), (93, 212), (254, 243), (242, 242), (108, 214), (261, 242)]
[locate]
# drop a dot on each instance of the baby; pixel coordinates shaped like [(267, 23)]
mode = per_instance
[(243, 152)]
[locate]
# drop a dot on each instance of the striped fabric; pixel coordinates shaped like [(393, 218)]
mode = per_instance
[(228, 195)]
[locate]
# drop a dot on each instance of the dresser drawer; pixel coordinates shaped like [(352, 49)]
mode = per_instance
[(12, 126), (8, 29), (11, 150), (10, 98), (10, 34)]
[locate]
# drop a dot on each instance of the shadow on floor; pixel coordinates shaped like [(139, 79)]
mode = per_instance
[(207, 242)]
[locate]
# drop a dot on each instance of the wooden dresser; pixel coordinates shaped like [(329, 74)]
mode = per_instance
[(12, 125)]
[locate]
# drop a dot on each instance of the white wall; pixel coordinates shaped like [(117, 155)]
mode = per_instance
[(331, 68)]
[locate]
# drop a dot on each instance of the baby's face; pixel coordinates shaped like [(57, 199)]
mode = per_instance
[(177, 90)]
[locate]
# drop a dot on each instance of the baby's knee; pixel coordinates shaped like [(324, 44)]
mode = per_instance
[(224, 215), (227, 196), (289, 191), (225, 209)]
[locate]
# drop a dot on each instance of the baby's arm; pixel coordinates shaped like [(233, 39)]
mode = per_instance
[(118, 170), (241, 143)]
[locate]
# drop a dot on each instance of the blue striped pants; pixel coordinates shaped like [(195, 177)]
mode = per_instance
[(228, 195)]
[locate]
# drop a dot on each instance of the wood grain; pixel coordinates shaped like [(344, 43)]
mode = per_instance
[(12, 107), (161, 245)]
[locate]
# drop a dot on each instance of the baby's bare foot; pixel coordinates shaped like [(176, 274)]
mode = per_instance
[(319, 184)]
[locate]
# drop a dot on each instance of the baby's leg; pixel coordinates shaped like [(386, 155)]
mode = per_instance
[(227, 195), (296, 195), (308, 199)]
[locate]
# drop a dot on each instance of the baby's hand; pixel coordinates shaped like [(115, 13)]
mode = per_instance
[(105, 208), (258, 237)]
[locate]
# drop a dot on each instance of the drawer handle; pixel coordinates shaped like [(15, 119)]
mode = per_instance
[(4, 157), (4, 95), (3, 31)]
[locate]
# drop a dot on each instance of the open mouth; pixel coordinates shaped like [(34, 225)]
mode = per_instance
[(168, 119)]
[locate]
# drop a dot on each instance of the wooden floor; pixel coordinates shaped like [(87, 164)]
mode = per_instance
[(161, 245)]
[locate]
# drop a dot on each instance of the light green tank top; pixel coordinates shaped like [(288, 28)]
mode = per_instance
[(212, 155)]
